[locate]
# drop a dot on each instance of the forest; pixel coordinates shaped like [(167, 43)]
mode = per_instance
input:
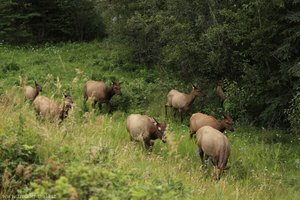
[(151, 47)]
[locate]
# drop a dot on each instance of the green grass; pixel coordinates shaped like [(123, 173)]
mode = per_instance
[(90, 154)]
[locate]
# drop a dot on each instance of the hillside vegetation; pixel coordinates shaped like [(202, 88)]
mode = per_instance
[(251, 45), (90, 156)]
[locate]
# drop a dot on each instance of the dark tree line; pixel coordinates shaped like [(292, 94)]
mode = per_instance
[(56, 20)]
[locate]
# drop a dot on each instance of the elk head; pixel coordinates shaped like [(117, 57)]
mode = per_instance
[(227, 122), (117, 88), (160, 132)]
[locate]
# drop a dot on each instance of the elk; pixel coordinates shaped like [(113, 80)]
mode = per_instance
[(100, 93), (145, 129), (220, 91), (31, 93), (181, 101), (215, 145), (47, 108), (199, 120)]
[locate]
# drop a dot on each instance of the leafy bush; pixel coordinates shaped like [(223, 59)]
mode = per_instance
[(91, 182), (293, 113), (18, 156), (8, 67), (236, 100)]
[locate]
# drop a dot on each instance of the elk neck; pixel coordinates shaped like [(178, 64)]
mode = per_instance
[(222, 126), (110, 93), (191, 98)]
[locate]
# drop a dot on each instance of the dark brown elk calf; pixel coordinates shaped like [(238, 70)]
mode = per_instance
[(100, 93)]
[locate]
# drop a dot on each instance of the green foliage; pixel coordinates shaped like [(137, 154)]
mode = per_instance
[(9, 67), (90, 153), (293, 113), (93, 181), (36, 21), (236, 100), (251, 43), (18, 155)]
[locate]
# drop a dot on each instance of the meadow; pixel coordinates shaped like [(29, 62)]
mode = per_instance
[(90, 156)]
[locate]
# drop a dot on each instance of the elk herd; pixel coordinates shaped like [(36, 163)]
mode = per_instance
[(211, 142)]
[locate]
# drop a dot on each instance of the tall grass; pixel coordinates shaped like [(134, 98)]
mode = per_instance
[(90, 154)]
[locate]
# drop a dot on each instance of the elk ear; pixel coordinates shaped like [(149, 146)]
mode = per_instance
[(36, 84), (65, 94), (194, 87), (156, 122), (225, 116), (114, 83)]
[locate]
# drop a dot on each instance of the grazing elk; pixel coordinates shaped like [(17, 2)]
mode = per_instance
[(145, 129), (47, 108), (212, 143), (100, 93), (181, 101), (220, 91), (31, 93), (199, 120)]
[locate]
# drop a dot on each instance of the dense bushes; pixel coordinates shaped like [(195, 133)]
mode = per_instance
[(89, 182), (253, 44), (39, 21), (293, 113)]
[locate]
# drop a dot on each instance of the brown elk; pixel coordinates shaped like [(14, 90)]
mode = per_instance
[(220, 91), (212, 143), (31, 93), (145, 129), (199, 120), (47, 108), (181, 101), (100, 93)]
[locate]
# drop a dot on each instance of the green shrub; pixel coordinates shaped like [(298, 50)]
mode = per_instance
[(8, 67), (92, 182), (293, 113), (236, 100)]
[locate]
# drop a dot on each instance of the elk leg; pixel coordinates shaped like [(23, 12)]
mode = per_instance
[(201, 154), (108, 107), (94, 103), (215, 173), (220, 172), (38, 115), (151, 143), (148, 145), (181, 118), (174, 113), (191, 134), (99, 106), (221, 102), (205, 160), (166, 110), (85, 97)]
